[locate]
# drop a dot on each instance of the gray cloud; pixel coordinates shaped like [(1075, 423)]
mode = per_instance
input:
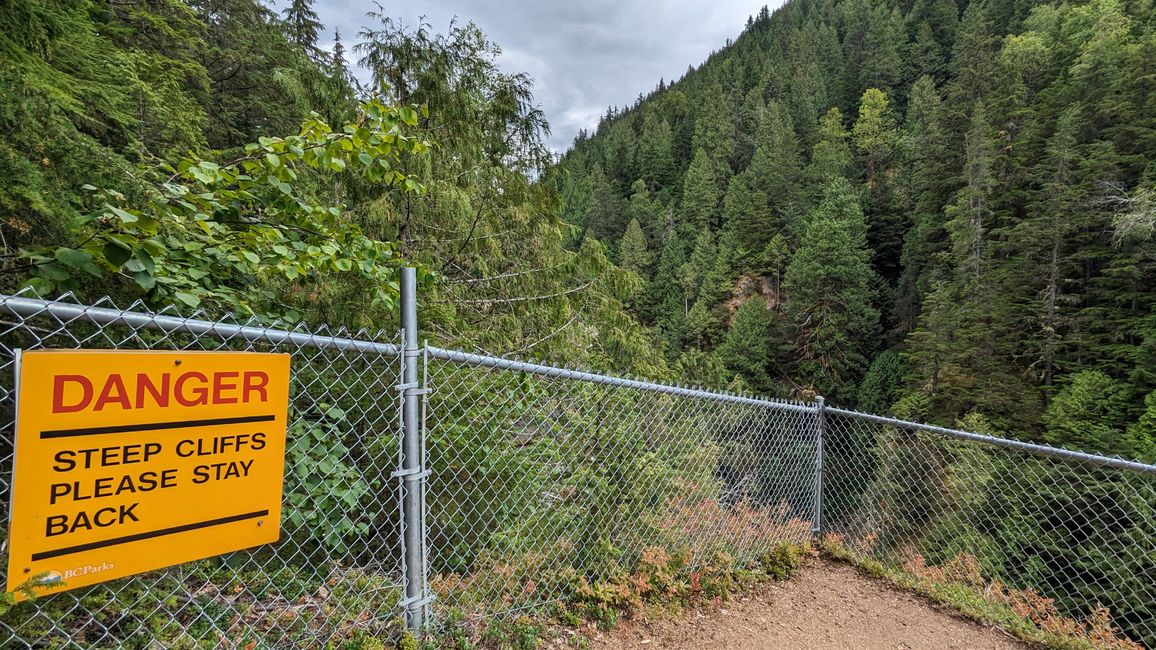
[(583, 56)]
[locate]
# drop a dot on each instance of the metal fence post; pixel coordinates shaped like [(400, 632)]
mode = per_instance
[(411, 472), (820, 422)]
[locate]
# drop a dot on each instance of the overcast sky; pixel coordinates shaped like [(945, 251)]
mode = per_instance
[(584, 55)]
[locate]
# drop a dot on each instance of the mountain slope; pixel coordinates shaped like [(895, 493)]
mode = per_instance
[(945, 207)]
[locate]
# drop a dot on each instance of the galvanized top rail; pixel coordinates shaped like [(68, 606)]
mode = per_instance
[(1031, 448), (499, 363), (66, 312)]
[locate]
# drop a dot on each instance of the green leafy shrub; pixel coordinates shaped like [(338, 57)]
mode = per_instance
[(322, 487)]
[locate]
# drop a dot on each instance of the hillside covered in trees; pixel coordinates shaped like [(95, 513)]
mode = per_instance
[(929, 207), (212, 155), (943, 210)]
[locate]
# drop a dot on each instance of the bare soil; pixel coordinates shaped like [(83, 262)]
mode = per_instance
[(827, 605)]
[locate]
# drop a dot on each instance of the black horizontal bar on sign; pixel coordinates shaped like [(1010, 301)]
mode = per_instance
[(69, 550), (152, 426)]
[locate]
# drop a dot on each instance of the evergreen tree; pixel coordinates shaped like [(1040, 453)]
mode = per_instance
[(1142, 433), (828, 284), (340, 65), (882, 385), (875, 138), (923, 189), (700, 196), (831, 155), (606, 215), (303, 25), (969, 215), (746, 348), (633, 253), (702, 256), (1041, 273), (882, 65), (874, 135), (666, 298), (972, 59), (714, 133), (1090, 414), (702, 326), (776, 172), (655, 154)]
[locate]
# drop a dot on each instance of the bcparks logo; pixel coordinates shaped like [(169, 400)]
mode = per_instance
[(54, 577)]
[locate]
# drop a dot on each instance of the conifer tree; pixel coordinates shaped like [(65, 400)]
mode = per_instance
[(776, 172), (666, 298), (746, 348), (1090, 414), (340, 65), (606, 215), (303, 25), (633, 253), (923, 188), (1040, 274), (882, 65), (700, 196), (876, 138), (831, 155), (972, 59), (643, 209), (702, 326), (874, 134), (882, 385), (828, 284), (969, 215), (654, 153), (702, 256), (714, 132), (1142, 433)]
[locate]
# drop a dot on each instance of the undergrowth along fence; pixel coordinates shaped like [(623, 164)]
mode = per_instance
[(429, 488)]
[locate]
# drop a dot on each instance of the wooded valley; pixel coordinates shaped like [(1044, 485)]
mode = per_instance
[(931, 208)]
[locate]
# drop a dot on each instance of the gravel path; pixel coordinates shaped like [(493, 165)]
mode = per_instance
[(827, 605)]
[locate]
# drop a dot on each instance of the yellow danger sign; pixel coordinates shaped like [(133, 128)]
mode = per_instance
[(129, 461)]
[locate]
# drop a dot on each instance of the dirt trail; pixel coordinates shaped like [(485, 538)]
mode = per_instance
[(827, 605)]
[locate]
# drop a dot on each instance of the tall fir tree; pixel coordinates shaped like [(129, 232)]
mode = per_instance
[(633, 253), (923, 187), (746, 349), (303, 25), (831, 155), (700, 196), (829, 288)]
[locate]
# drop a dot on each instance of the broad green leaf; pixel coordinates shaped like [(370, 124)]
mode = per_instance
[(116, 253), (72, 257), (187, 298)]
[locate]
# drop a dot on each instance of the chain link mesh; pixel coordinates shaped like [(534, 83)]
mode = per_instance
[(542, 478), (1068, 544), (540, 482), (334, 574)]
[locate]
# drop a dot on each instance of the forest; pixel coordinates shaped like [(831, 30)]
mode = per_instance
[(927, 208), (211, 155), (937, 209)]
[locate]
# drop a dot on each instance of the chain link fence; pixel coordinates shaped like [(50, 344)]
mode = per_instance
[(1067, 540), (543, 478), (521, 482), (335, 573)]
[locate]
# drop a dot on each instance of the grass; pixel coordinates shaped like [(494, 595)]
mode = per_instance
[(663, 583)]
